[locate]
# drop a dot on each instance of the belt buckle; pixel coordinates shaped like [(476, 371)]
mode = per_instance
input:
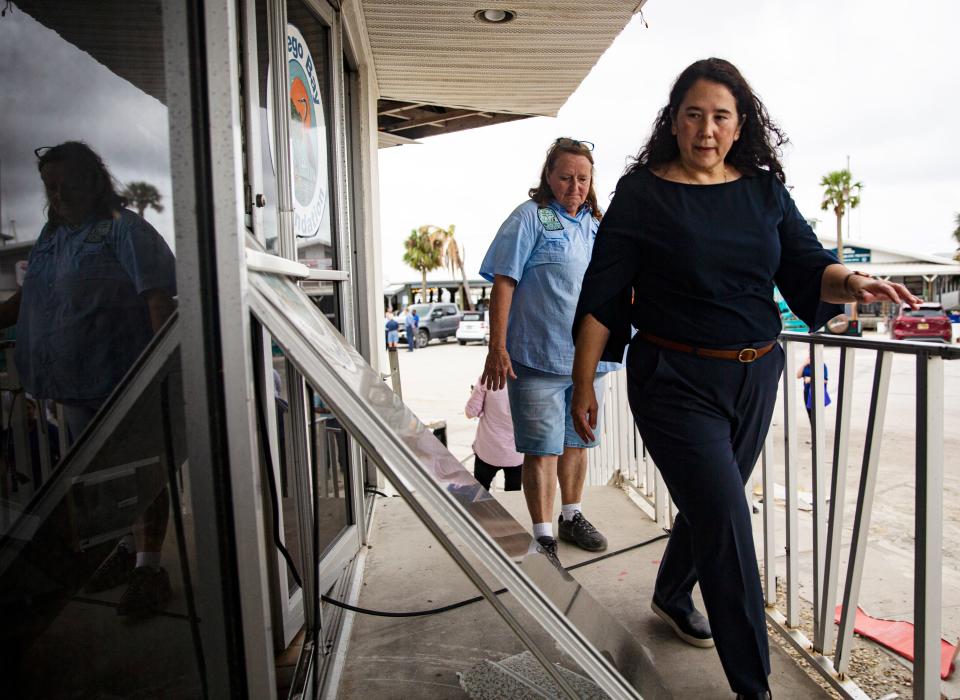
[(747, 355)]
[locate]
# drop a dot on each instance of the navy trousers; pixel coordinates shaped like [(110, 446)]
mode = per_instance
[(704, 421)]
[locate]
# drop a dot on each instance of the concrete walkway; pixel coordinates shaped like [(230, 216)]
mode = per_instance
[(420, 657)]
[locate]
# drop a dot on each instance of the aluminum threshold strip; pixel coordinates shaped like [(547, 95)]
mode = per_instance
[(85, 450), (429, 477)]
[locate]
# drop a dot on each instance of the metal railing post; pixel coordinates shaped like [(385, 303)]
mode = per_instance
[(769, 529), (864, 509), (790, 485), (927, 586), (838, 489), (819, 486)]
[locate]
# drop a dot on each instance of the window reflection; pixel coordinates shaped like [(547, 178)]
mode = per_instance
[(95, 528)]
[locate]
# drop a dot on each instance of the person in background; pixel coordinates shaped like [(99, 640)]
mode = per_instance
[(493, 446), (536, 263), (410, 325), (700, 228), (805, 374), (393, 331), (100, 283)]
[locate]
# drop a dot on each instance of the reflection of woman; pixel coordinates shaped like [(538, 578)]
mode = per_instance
[(700, 228), (536, 263), (100, 282)]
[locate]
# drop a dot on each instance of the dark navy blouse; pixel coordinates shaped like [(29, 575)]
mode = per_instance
[(702, 261)]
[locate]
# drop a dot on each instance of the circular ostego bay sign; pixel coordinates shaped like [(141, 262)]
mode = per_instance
[(308, 136)]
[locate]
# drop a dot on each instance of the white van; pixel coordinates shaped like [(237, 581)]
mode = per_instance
[(474, 325)]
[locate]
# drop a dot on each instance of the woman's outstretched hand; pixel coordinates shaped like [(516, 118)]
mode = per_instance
[(871, 289)]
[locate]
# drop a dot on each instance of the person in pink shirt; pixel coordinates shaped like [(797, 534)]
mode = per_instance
[(493, 446)]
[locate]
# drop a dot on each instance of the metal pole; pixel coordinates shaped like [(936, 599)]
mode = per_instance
[(841, 441), (927, 586), (769, 528), (819, 488), (395, 372), (864, 509), (790, 485)]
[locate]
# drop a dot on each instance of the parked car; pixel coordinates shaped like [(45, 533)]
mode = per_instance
[(437, 321), (928, 322), (474, 325)]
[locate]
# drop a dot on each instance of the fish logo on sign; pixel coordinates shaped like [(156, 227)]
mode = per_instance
[(548, 217), (308, 136)]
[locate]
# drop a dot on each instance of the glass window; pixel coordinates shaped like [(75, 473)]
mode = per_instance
[(95, 523), (307, 51)]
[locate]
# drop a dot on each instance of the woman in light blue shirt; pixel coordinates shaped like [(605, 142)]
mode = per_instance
[(536, 264)]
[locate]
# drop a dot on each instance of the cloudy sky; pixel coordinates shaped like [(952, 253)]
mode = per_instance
[(876, 81), (53, 92)]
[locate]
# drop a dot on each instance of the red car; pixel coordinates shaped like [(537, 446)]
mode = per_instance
[(929, 322)]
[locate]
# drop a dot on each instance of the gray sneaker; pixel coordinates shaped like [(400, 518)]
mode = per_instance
[(548, 547), (579, 531), (147, 593), (113, 571)]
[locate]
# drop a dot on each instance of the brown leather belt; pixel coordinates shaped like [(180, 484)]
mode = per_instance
[(745, 355)]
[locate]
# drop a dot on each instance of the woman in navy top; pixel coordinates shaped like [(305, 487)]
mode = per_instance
[(700, 229)]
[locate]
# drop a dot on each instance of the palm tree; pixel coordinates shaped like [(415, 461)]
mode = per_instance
[(422, 251), (142, 195), (840, 194), (452, 255)]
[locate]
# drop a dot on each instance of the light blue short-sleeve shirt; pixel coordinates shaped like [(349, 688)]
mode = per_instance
[(546, 251), (83, 320)]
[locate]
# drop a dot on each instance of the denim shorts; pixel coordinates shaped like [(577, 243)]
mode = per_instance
[(540, 406)]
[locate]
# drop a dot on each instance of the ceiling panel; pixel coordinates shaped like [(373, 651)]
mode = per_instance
[(436, 52)]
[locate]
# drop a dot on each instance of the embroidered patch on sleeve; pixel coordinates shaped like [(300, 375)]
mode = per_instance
[(548, 217)]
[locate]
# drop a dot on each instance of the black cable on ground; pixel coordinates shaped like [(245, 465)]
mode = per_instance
[(477, 599)]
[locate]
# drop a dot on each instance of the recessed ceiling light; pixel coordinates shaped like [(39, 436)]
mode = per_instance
[(495, 16)]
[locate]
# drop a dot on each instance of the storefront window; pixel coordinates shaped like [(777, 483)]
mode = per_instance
[(307, 54), (95, 523)]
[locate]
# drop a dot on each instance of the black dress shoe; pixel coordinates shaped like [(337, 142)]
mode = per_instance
[(755, 696), (694, 628)]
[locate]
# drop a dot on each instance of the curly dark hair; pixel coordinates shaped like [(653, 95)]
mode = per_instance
[(760, 138), (90, 168), (543, 195)]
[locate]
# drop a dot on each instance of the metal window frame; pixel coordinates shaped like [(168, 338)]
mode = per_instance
[(209, 211), (418, 465)]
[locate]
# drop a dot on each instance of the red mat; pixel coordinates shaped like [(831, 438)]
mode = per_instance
[(897, 636)]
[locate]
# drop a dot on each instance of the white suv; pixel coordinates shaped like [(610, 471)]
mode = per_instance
[(474, 325)]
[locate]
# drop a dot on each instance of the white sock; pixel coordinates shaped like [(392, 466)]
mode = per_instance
[(568, 510), (151, 559), (542, 530)]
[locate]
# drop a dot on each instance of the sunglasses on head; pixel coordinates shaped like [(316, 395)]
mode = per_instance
[(567, 142)]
